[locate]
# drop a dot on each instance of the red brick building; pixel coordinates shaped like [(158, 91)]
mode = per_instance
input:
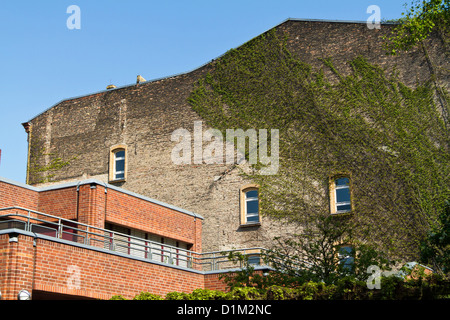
[(89, 239)]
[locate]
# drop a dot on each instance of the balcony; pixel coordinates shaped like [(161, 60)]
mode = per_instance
[(74, 233)]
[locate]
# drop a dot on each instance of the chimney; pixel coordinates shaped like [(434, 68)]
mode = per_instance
[(140, 79)]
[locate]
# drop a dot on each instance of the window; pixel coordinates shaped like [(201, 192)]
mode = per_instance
[(146, 245), (250, 205), (254, 257), (340, 195), (117, 163), (346, 258), (254, 260)]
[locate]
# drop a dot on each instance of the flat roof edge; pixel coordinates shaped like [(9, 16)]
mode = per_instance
[(98, 249), (337, 21), (104, 184), (19, 184)]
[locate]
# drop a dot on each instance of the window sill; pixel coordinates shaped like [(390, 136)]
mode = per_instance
[(250, 224), (342, 214), (117, 181)]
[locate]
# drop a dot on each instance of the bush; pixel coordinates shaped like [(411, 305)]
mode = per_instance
[(350, 288), (245, 293), (177, 296), (147, 296), (392, 288), (206, 294), (435, 249)]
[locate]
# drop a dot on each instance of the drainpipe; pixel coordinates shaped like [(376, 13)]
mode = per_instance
[(27, 126), (106, 198), (34, 261), (78, 198)]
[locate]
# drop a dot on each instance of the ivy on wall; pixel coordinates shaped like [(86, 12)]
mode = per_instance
[(44, 172), (420, 19), (389, 138)]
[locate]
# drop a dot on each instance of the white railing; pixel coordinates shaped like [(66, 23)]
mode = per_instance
[(69, 230), (73, 231)]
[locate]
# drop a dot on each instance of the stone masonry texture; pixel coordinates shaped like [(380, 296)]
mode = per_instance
[(143, 117)]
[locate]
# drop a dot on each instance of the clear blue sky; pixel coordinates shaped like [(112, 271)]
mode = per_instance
[(43, 62)]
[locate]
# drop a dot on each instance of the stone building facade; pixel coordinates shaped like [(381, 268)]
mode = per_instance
[(80, 136)]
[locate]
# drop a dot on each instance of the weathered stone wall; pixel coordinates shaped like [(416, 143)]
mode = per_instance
[(143, 117)]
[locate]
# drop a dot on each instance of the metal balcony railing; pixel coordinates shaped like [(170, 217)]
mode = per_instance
[(73, 231)]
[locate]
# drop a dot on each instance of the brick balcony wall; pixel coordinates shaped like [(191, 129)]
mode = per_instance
[(94, 203), (14, 195), (41, 263), (152, 218), (55, 267), (16, 267)]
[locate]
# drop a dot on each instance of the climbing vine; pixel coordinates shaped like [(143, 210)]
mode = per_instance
[(417, 22), (42, 173), (388, 137)]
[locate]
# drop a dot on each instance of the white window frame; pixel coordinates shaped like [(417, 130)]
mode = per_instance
[(343, 203), (251, 199), (243, 206), (116, 159), (113, 159), (333, 193)]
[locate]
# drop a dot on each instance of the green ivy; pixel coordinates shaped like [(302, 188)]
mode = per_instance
[(41, 173), (388, 136), (420, 19)]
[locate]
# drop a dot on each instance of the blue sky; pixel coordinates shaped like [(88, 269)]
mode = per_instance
[(43, 62)]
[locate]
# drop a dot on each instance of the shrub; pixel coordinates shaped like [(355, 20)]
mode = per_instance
[(245, 293), (147, 296), (177, 296), (207, 294), (348, 288)]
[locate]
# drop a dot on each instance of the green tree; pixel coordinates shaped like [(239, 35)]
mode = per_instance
[(325, 252), (316, 254), (435, 249), (420, 19)]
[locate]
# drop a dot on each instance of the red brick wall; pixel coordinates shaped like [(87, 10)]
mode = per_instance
[(66, 269), (61, 202), (4, 260), (93, 206), (50, 266), (16, 266), (12, 195), (135, 213), (213, 282), (60, 268)]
